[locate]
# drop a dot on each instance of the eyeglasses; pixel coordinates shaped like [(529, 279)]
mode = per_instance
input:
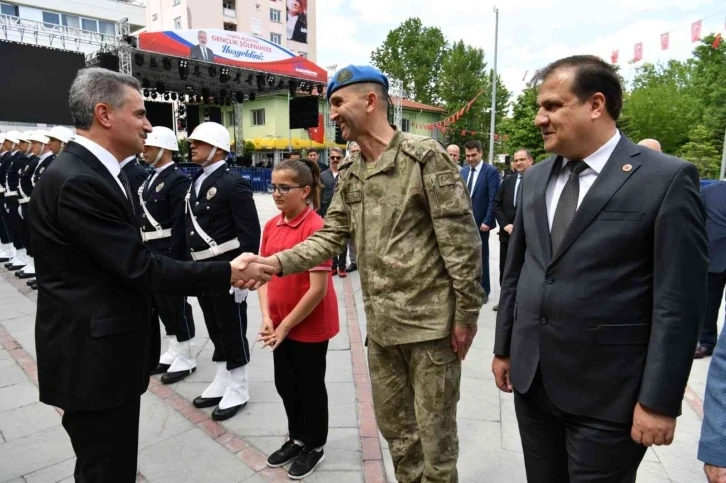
[(283, 188), (336, 158)]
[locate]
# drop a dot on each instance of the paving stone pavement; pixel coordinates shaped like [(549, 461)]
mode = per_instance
[(179, 443)]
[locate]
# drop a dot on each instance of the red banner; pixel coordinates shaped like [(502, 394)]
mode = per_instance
[(696, 30), (638, 54), (664, 41), (317, 134), (614, 56)]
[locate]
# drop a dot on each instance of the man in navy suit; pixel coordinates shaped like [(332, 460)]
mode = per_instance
[(482, 181), (714, 200)]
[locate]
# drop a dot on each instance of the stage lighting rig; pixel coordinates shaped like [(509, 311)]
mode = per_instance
[(146, 92), (239, 97), (166, 96), (271, 80), (183, 69), (173, 96), (154, 95), (152, 63), (166, 63), (249, 79), (160, 86), (238, 77), (212, 71), (139, 59), (197, 72), (260, 82), (253, 96), (293, 87), (224, 75), (310, 89)]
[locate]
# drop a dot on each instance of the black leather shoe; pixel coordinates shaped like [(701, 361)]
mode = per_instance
[(25, 275), (160, 369), (352, 267), (284, 455), (206, 402), (702, 352), (12, 268), (4, 259), (172, 377), (8, 265), (31, 282), (223, 414)]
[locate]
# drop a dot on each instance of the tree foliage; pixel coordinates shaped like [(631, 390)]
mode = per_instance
[(701, 151), (519, 127), (413, 54)]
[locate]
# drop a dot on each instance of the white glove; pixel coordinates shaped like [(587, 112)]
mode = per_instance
[(20, 211), (240, 295)]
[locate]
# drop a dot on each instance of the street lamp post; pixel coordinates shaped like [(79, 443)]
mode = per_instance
[(494, 88)]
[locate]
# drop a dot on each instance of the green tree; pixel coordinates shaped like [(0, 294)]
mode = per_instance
[(661, 105), (520, 129), (701, 151), (708, 87), (413, 54)]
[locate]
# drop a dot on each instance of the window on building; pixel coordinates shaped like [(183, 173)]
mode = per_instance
[(7, 9), (50, 19), (106, 28), (177, 2), (230, 118), (177, 23), (275, 38), (90, 25), (406, 125), (230, 26), (258, 117), (71, 21), (275, 15), (228, 4)]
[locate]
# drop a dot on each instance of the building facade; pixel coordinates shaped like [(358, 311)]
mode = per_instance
[(289, 23)]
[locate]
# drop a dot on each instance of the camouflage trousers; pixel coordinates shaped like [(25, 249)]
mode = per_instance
[(415, 392)]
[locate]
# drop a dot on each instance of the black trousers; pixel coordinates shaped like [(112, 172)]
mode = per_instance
[(339, 261), (25, 231), (106, 443), (226, 323), (503, 247), (709, 331), (176, 315), (15, 222), (565, 448), (4, 233), (300, 382)]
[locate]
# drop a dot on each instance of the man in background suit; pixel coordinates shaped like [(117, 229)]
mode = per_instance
[(604, 287), (713, 430), (95, 338), (505, 205), (201, 51), (482, 181), (713, 197)]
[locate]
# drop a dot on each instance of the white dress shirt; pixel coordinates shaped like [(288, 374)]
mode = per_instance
[(107, 159), (477, 171), (516, 188), (207, 171), (595, 162), (157, 171), (127, 161)]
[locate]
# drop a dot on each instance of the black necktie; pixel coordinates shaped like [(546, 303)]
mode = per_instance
[(567, 205), (127, 187), (471, 180)]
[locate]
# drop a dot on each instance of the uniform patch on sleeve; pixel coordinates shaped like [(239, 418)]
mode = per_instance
[(353, 197), (445, 179)]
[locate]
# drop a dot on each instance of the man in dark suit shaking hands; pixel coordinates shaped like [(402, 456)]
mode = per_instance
[(505, 205), (95, 337), (482, 181), (201, 51), (604, 288)]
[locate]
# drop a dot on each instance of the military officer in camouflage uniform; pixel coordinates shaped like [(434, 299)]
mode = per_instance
[(406, 208)]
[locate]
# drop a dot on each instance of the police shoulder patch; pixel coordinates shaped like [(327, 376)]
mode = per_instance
[(446, 178), (353, 197), (344, 76)]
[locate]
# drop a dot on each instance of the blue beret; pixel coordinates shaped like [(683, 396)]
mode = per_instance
[(356, 74)]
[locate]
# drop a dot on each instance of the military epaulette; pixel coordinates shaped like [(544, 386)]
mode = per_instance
[(348, 161), (418, 147)]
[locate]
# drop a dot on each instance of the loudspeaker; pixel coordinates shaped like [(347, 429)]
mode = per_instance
[(109, 61), (339, 136), (192, 117), (304, 112), (215, 114)]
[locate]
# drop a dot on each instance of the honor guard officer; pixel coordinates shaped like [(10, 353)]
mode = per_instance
[(222, 223), (7, 251), (135, 173), (162, 201), (10, 145), (58, 137), (12, 191), (39, 151)]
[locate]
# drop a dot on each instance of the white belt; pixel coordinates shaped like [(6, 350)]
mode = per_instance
[(11, 193), (2, 189), (155, 235), (216, 250), (22, 201)]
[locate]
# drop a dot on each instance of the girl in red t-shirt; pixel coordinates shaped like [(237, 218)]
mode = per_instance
[(299, 317)]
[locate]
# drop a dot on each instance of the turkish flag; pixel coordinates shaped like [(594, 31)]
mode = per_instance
[(696, 30), (317, 134), (614, 56), (717, 41), (664, 41), (638, 54)]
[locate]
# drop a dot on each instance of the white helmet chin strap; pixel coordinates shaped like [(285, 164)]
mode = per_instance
[(158, 157), (209, 158), (30, 148)]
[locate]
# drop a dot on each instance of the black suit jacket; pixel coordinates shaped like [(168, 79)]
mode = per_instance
[(26, 175), (95, 337), (225, 209), (613, 317), (196, 53), (165, 200), (504, 209)]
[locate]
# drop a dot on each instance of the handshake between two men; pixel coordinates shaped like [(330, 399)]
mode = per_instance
[(250, 271)]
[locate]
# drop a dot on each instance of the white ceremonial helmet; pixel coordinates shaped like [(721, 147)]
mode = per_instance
[(13, 137), (61, 133), (162, 137), (25, 136), (213, 134), (39, 137)]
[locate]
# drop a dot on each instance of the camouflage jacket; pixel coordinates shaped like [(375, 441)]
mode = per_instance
[(419, 252)]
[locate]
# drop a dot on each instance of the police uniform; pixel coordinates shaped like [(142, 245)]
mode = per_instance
[(225, 211), (25, 189), (161, 219), (15, 167), (135, 173), (419, 254), (7, 248)]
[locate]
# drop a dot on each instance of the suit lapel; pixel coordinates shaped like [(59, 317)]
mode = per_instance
[(608, 182), (540, 207)]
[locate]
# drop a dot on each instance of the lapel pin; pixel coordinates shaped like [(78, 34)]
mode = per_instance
[(159, 186), (627, 167)]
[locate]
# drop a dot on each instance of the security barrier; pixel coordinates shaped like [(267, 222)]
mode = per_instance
[(258, 178)]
